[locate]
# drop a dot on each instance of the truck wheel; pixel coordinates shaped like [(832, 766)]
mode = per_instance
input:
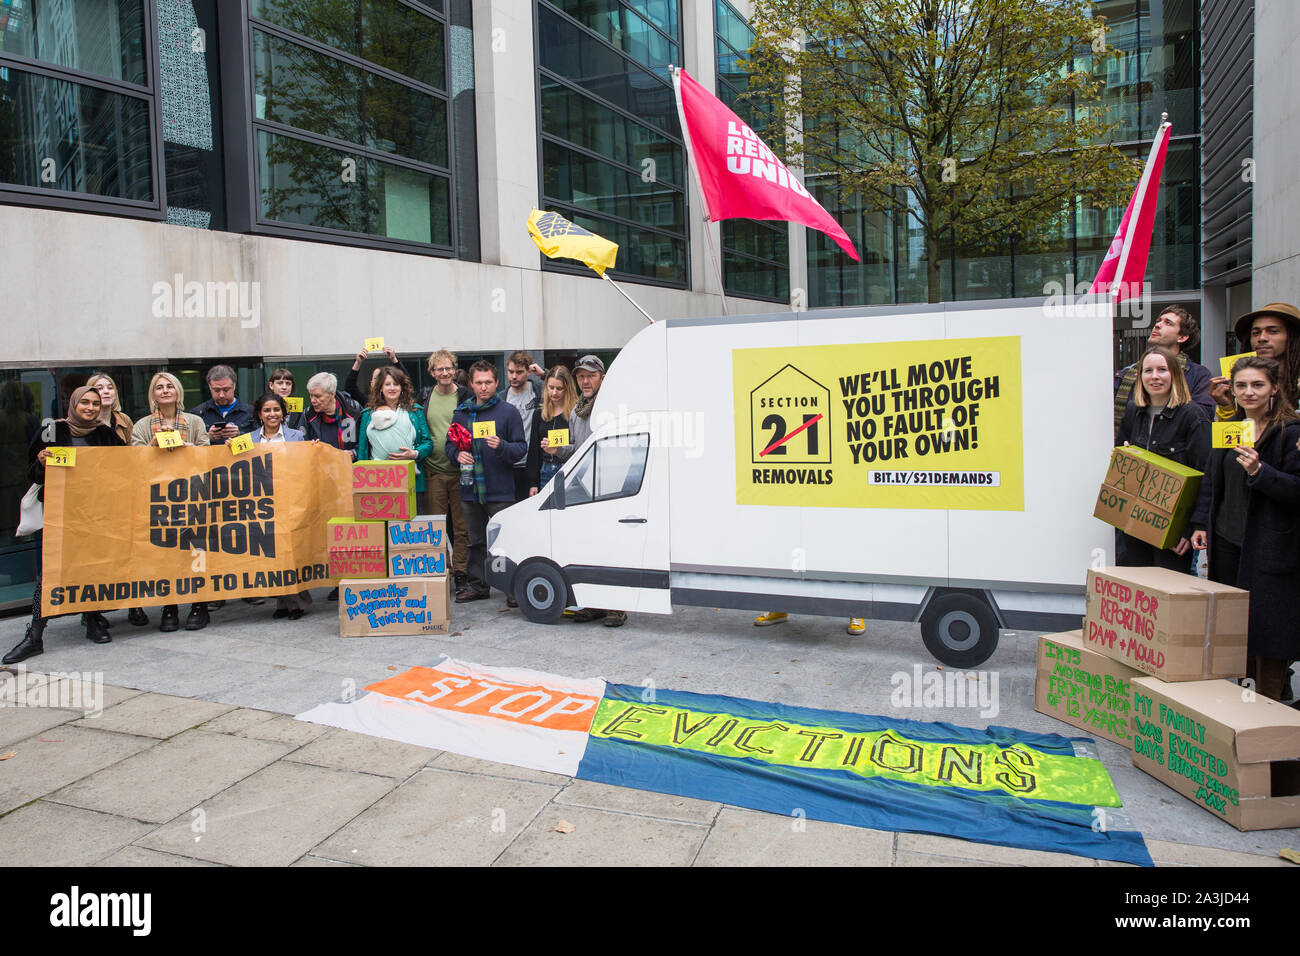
[(541, 592), (959, 630)]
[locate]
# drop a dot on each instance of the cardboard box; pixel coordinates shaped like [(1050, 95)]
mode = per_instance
[(1083, 688), (1231, 751), (1147, 496), (392, 476), (383, 506), (357, 563), (404, 564), (421, 533), (1173, 626), (347, 533), (393, 606)]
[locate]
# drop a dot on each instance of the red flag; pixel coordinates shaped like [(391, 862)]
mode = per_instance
[(1125, 265), (740, 177)]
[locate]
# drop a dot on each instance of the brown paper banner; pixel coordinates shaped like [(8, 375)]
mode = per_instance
[(140, 527)]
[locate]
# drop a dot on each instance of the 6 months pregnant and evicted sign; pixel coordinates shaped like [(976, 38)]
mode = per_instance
[(130, 527), (933, 424)]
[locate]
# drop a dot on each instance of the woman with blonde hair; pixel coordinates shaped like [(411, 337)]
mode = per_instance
[(559, 395), (167, 414), (111, 413), (1162, 418)]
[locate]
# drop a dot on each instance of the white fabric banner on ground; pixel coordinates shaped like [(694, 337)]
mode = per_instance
[(505, 714)]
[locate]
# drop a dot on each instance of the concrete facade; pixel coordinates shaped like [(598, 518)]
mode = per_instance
[(1276, 203)]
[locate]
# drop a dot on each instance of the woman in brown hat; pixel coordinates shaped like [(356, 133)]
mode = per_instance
[(1271, 332)]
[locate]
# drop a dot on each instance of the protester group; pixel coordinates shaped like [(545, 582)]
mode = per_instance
[(1248, 506), (465, 478), (1245, 520)]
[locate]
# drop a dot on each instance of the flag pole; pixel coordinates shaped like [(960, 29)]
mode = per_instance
[(690, 161), (1138, 198), (628, 297)]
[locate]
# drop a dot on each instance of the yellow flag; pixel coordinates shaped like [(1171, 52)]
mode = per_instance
[(559, 238)]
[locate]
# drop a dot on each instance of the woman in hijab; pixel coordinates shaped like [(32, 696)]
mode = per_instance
[(81, 428), (166, 414)]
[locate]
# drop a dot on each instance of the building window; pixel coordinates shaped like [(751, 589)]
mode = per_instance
[(610, 152), (350, 113), (755, 253), (78, 116)]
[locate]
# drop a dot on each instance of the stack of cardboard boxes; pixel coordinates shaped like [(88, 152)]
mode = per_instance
[(392, 564), (1151, 669)]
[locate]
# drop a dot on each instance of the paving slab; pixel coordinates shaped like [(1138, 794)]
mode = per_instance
[(232, 722), (158, 715), (347, 750), (272, 817), (310, 860), (59, 756), (450, 761), (601, 838), (603, 796), (750, 838), (986, 852), (905, 858), (136, 856), (172, 777), (1181, 854), (439, 818), (48, 834), (19, 723), (283, 729)]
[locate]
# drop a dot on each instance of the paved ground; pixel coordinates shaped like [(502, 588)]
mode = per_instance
[(195, 759)]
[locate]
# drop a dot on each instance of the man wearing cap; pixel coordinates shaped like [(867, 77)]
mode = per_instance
[(1175, 329), (589, 374), (1271, 332)]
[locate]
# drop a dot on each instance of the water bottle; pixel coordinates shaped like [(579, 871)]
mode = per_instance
[(466, 476)]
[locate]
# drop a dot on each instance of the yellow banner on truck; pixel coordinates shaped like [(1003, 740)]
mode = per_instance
[(932, 424)]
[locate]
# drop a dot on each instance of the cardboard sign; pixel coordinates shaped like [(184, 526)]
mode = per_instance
[(169, 439), (1221, 746), (383, 505), (240, 444), (402, 564), (397, 476), (375, 344), (1233, 434), (484, 429), (1083, 688), (393, 606), (357, 563), (357, 535), (61, 457), (421, 533), (557, 437), (1228, 361), (1173, 626), (1147, 496), (293, 403)]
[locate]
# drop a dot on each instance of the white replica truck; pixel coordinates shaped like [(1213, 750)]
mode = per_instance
[(931, 463)]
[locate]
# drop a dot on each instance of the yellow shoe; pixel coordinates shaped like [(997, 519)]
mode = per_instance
[(857, 625), (770, 617)]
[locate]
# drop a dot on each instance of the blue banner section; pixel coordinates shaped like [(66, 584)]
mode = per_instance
[(839, 796)]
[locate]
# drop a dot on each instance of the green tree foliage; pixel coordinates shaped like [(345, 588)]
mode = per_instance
[(958, 111)]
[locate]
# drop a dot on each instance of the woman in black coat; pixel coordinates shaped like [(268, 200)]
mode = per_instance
[(1248, 515), (82, 427), (1163, 419), (559, 395)]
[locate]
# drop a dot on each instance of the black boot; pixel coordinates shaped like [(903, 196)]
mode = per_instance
[(95, 630), (137, 617), (171, 620), (460, 581), (197, 619), (30, 645)]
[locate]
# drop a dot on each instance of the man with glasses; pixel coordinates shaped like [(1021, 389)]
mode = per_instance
[(441, 474)]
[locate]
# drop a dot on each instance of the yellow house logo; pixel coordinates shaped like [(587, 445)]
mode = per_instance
[(789, 416)]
